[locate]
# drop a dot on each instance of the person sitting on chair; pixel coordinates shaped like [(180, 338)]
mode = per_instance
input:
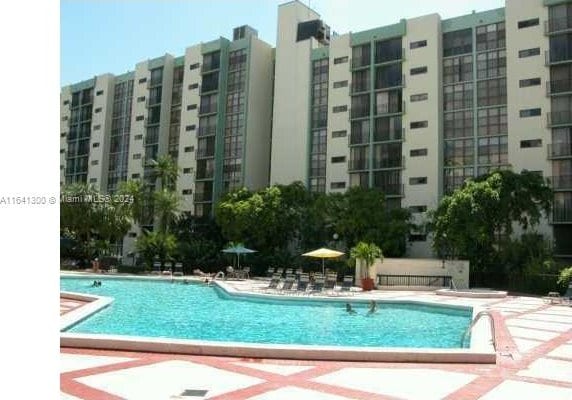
[(349, 309)]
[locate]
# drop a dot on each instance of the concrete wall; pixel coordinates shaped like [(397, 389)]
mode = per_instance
[(457, 269)]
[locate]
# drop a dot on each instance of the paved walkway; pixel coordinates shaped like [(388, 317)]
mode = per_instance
[(535, 362)]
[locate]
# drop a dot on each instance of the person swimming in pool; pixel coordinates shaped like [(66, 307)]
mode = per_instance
[(349, 309)]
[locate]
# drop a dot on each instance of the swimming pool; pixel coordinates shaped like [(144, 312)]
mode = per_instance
[(174, 310)]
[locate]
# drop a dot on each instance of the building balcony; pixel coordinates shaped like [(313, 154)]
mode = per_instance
[(556, 57), (559, 86), (391, 189), (360, 62), (205, 153), (389, 163), (390, 57), (359, 87), (358, 165), (558, 25), (359, 112), (205, 173), (389, 108), (399, 83), (206, 131), (208, 67), (561, 182), (559, 150), (208, 109), (562, 215), (559, 118), (203, 197)]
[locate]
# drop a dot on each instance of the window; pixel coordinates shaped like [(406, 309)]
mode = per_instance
[(92, 180), (97, 110), (531, 112), (527, 144), (387, 128), (418, 209), (458, 69), (528, 23), (63, 134), (66, 102), (138, 137), (99, 93), (418, 152), (96, 127), (340, 84), (187, 191), (137, 156), (492, 121), (458, 42), (529, 82), (418, 71), (416, 45), (193, 86), (340, 159), (360, 81), (194, 66), (360, 106), (62, 151), (140, 99), (387, 76), (493, 150), (418, 124), (388, 50), (420, 180), (389, 102), (419, 97), (458, 96), (459, 152), (491, 64), (341, 60), (360, 132), (186, 170), (492, 36), (65, 118), (189, 149), (139, 118), (491, 92), (361, 55), (95, 145), (339, 134), (142, 80), (135, 176), (529, 52), (337, 185), (95, 162), (191, 107), (189, 128), (338, 109)]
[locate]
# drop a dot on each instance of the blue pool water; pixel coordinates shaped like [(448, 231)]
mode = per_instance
[(196, 311)]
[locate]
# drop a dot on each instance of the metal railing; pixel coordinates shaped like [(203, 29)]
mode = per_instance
[(559, 86), (558, 150), (559, 118), (474, 322), (557, 25), (562, 214), (389, 163), (359, 112), (414, 280), (390, 189), (206, 131), (203, 197), (552, 57), (561, 182), (358, 165)]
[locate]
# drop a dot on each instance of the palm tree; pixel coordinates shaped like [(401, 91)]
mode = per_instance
[(367, 252), (166, 206), (166, 170), (139, 195)]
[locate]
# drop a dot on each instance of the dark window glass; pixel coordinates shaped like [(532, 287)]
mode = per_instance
[(388, 76), (526, 144), (142, 80), (416, 45), (418, 124), (492, 36), (339, 134), (194, 66), (340, 84), (418, 71), (531, 112), (388, 50), (529, 52), (99, 93), (529, 82), (341, 60), (421, 180), (528, 23), (339, 159), (458, 42), (338, 109), (337, 185), (418, 152)]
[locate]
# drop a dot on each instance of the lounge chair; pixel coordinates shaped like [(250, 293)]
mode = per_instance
[(279, 271), (330, 282), (318, 285), (168, 268), (156, 268), (270, 272), (303, 283), (246, 273), (553, 298), (288, 283), (288, 271), (274, 281), (178, 269), (299, 272), (347, 284)]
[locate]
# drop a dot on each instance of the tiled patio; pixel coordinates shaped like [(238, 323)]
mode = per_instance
[(535, 362)]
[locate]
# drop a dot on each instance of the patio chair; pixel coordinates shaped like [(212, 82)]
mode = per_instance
[(303, 283), (245, 273), (347, 284), (288, 271), (330, 282), (178, 269), (318, 285), (553, 298), (274, 281), (279, 271), (288, 283), (168, 268), (156, 268), (270, 272)]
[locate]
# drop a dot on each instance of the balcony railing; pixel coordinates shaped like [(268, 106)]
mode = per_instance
[(390, 189), (559, 150), (206, 131), (360, 62), (389, 163), (211, 109), (561, 182), (559, 86), (553, 57), (414, 280), (360, 87), (391, 85), (390, 108), (359, 112), (205, 173), (206, 67), (561, 24), (358, 165), (562, 214), (203, 197), (392, 56), (205, 153), (559, 118)]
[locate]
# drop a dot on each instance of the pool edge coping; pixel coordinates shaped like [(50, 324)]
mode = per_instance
[(481, 350)]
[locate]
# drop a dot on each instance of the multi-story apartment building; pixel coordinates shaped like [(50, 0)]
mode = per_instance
[(412, 109)]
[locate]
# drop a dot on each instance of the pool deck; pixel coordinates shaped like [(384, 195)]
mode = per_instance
[(534, 361)]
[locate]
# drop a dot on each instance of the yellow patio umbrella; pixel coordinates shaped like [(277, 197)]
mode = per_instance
[(324, 253)]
